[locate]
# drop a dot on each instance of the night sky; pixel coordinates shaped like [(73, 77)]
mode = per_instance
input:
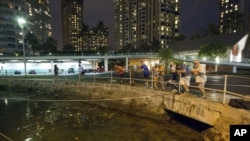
[(196, 15)]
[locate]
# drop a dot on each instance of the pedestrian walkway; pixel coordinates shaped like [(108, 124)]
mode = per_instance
[(108, 77), (211, 95)]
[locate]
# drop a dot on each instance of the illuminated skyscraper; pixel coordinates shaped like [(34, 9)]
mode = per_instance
[(37, 16), (143, 21), (72, 20), (234, 16)]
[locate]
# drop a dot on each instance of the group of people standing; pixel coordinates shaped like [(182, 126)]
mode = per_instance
[(180, 73)]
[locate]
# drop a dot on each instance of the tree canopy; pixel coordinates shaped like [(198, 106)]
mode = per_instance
[(153, 46), (213, 50), (68, 48), (166, 55), (50, 45), (211, 30), (33, 42)]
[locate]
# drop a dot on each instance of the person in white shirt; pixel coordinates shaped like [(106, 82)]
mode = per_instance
[(199, 70), (185, 77), (174, 75), (81, 71)]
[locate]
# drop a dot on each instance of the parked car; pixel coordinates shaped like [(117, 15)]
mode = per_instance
[(100, 69), (89, 70), (17, 72), (71, 70), (32, 72)]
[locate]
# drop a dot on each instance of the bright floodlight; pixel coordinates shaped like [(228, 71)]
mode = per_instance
[(21, 22)]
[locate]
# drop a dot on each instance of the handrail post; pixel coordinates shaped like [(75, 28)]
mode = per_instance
[(152, 80), (79, 77), (66, 76), (111, 77), (179, 85), (94, 78), (225, 89), (130, 80)]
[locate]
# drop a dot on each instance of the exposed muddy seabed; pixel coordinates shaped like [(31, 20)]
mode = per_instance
[(69, 121)]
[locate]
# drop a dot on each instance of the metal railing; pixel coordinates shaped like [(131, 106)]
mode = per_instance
[(88, 54), (222, 91)]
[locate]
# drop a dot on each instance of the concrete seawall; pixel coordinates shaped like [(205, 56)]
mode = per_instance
[(145, 102)]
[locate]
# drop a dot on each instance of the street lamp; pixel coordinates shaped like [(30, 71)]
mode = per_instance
[(21, 22)]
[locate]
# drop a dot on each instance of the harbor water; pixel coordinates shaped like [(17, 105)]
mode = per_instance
[(24, 119)]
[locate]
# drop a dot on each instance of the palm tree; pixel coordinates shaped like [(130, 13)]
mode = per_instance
[(68, 48), (211, 30), (100, 29), (98, 33), (33, 41), (128, 48), (101, 33), (103, 49), (50, 45), (85, 34)]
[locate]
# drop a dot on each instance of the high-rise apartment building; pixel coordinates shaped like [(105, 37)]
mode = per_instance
[(37, 17), (72, 20), (96, 41), (234, 16), (9, 28), (142, 21)]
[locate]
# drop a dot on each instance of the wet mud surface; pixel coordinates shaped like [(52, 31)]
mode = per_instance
[(36, 120)]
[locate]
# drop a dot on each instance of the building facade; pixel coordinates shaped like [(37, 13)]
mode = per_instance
[(234, 16), (97, 41), (10, 31), (142, 21), (38, 21), (72, 20), (39, 17)]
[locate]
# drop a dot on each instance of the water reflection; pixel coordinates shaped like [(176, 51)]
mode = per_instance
[(6, 101), (54, 121)]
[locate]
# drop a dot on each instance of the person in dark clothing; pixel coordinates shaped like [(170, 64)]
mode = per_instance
[(185, 77), (56, 70), (145, 71)]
